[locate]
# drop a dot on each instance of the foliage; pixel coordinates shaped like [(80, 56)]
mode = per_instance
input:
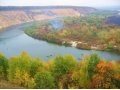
[(62, 72), (91, 30), (35, 66), (93, 61), (3, 66), (62, 65), (22, 69), (104, 76), (18, 66), (82, 74), (44, 80)]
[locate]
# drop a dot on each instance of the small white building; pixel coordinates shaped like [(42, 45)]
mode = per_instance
[(73, 43)]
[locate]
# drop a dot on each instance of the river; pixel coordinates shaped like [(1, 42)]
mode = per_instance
[(13, 41)]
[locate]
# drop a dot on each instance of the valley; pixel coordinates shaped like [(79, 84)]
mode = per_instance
[(59, 47), (18, 15), (82, 28), (90, 32)]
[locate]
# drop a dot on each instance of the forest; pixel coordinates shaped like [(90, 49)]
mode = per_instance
[(63, 72), (88, 32)]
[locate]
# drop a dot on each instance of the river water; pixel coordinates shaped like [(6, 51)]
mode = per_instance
[(13, 41)]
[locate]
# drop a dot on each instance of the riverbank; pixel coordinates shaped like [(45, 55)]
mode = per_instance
[(7, 27), (70, 43), (76, 44), (14, 41)]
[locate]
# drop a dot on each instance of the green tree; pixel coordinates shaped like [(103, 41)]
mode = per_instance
[(93, 61), (82, 75), (86, 69), (36, 66), (3, 66), (19, 69), (62, 65), (44, 80)]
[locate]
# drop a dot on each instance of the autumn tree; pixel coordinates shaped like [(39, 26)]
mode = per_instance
[(19, 69), (104, 76), (116, 79), (82, 75), (86, 69)]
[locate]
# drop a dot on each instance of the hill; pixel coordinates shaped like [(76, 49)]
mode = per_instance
[(113, 20), (17, 15)]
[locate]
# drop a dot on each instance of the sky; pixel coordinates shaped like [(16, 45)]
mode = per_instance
[(91, 3)]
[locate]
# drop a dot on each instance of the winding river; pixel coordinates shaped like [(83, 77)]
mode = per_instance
[(13, 41)]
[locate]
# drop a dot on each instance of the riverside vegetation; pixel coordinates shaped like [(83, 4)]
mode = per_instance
[(85, 32), (90, 31), (23, 71)]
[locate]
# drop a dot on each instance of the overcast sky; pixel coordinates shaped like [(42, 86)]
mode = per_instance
[(93, 3)]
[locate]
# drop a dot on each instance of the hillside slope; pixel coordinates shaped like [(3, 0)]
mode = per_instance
[(17, 15)]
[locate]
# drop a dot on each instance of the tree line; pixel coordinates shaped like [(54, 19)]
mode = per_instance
[(90, 29), (60, 72)]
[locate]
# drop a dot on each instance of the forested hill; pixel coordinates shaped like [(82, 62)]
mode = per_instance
[(113, 20)]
